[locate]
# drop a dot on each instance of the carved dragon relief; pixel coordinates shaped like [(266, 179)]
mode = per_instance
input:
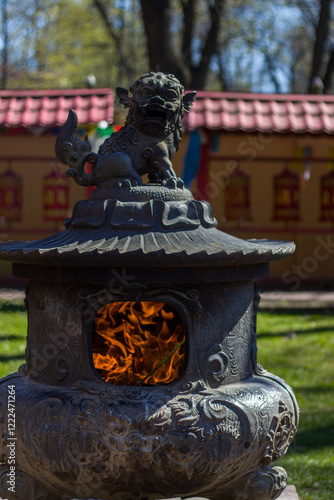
[(146, 143)]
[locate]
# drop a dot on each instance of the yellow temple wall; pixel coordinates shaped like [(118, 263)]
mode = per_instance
[(314, 256), (261, 156)]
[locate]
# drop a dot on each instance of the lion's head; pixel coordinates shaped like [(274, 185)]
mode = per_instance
[(156, 103)]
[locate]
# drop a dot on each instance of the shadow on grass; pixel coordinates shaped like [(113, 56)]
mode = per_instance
[(4, 337), (314, 438), (316, 390), (303, 331), (297, 311), (12, 357), (12, 307)]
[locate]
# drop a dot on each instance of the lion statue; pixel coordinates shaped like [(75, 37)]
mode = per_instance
[(146, 143)]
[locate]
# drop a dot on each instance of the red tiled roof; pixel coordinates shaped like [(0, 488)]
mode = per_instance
[(282, 113), (43, 108)]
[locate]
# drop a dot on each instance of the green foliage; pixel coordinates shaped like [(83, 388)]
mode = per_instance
[(13, 331), (262, 46), (300, 348), (58, 43)]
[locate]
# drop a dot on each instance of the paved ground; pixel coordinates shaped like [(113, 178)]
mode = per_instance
[(297, 299), (289, 493), (11, 294), (268, 299)]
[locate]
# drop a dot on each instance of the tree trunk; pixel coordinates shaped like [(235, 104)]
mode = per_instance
[(320, 42), (156, 18), (210, 47), (329, 73), (4, 58), (188, 7)]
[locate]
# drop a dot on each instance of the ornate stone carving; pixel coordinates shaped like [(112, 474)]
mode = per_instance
[(88, 436), (264, 484), (158, 214), (281, 434), (145, 145), (52, 352)]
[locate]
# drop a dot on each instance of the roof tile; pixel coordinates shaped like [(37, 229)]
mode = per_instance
[(328, 123), (246, 107), (281, 122), (264, 122), (33, 108), (327, 108), (230, 121), (214, 110), (263, 112), (279, 108)]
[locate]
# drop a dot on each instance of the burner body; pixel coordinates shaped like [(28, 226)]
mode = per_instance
[(215, 429)]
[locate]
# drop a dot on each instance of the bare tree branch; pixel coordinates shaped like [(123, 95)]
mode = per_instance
[(117, 36), (222, 74), (270, 60), (210, 48), (271, 66), (101, 7), (307, 13)]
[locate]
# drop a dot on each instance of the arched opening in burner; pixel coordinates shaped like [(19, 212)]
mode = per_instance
[(138, 343)]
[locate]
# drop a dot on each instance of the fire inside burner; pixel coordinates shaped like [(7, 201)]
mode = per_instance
[(138, 343)]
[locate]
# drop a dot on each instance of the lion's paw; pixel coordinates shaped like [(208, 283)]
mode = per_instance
[(128, 183), (173, 183), (170, 183)]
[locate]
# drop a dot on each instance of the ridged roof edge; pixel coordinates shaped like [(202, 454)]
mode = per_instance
[(49, 108), (246, 112), (151, 233)]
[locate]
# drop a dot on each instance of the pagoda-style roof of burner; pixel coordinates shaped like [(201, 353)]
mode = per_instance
[(171, 230)]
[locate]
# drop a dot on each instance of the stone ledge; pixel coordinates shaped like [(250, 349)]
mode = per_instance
[(290, 493)]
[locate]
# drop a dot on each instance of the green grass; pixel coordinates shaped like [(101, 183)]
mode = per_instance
[(13, 332), (298, 347)]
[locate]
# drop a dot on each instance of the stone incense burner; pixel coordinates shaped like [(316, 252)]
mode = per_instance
[(141, 380)]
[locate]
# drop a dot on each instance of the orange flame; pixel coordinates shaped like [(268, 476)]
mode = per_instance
[(132, 339)]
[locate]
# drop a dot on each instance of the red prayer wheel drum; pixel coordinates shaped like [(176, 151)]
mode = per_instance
[(11, 188), (237, 197), (286, 196), (327, 197), (55, 196)]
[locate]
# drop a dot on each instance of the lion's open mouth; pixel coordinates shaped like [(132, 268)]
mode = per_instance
[(155, 113)]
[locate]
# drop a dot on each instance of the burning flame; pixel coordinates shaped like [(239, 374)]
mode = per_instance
[(138, 343)]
